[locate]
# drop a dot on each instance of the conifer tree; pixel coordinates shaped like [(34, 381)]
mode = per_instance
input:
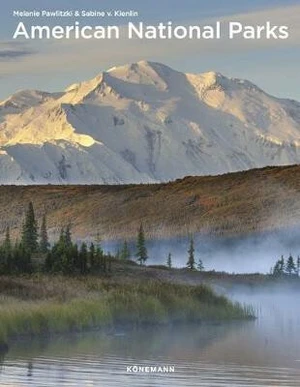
[(44, 243), (104, 264), (169, 261), (109, 264), (83, 258), (125, 252), (276, 270), (281, 263), (54, 257), (48, 266), (298, 265), (29, 232), (21, 259), (62, 256), (66, 263), (6, 254), (279, 268), (73, 258), (200, 265), (290, 266), (118, 254), (68, 236), (92, 255), (191, 256), (7, 242), (98, 261), (61, 239), (141, 254)]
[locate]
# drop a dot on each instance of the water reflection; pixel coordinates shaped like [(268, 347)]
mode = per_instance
[(265, 352)]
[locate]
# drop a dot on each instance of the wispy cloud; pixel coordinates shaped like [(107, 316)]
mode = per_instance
[(14, 50)]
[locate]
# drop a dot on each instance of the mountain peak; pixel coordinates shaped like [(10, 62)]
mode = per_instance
[(141, 65), (142, 73), (145, 122)]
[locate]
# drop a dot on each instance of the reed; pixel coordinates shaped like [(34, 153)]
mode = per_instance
[(89, 302)]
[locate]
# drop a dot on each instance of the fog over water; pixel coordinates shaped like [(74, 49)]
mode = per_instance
[(264, 352), (248, 254)]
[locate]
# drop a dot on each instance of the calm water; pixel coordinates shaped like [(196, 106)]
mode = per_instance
[(265, 352)]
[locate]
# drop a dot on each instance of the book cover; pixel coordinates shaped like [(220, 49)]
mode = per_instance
[(149, 193)]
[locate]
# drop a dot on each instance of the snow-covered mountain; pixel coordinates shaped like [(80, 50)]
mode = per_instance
[(144, 122)]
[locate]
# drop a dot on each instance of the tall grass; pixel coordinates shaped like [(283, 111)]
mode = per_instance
[(103, 303)]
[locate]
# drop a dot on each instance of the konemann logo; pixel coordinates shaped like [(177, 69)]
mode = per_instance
[(136, 369)]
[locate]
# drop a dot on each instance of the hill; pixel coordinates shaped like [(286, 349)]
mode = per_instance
[(228, 205)]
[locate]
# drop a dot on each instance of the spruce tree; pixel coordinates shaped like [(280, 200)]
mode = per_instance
[(7, 241), (61, 239), (169, 261), (109, 261), (68, 236), (29, 232), (92, 256), (141, 253), (200, 265), (83, 258), (118, 254), (191, 256), (290, 266), (277, 271), (44, 243), (104, 264), (3, 268), (61, 254), (6, 254), (48, 266), (74, 256), (279, 268), (125, 252), (298, 265), (281, 264), (98, 262), (21, 259), (66, 263)]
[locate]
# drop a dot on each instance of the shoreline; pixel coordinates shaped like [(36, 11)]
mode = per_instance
[(39, 305), (115, 331)]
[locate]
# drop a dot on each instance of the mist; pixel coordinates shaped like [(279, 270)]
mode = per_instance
[(276, 329), (247, 254)]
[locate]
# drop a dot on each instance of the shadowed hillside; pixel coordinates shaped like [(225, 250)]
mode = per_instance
[(238, 203)]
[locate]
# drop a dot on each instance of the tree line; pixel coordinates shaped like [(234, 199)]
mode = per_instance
[(290, 267), (33, 251)]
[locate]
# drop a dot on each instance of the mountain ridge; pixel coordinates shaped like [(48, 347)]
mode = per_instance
[(142, 123)]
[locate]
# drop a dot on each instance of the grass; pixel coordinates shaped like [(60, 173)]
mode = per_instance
[(40, 305)]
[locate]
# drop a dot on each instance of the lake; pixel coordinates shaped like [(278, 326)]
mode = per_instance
[(264, 352)]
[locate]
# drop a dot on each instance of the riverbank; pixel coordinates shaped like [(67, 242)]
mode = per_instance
[(43, 304)]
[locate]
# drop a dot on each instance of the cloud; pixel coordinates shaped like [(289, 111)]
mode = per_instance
[(14, 50), (13, 54)]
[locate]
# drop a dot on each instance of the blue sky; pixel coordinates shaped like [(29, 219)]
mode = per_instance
[(53, 65)]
